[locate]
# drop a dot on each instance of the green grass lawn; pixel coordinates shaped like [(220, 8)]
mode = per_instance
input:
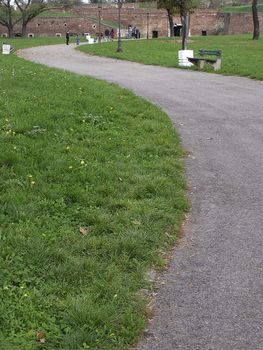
[(92, 191), (240, 8), (19, 43), (106, 22), (57, 14), (147, 4), (240, 54)]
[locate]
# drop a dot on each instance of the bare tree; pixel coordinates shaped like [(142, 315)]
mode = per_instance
[(184, 11), (169, 7), (29, 9), (183, 7), (16, 11), (9, 16)]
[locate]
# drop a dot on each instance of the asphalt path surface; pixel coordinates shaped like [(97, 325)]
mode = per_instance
[(210, 297)]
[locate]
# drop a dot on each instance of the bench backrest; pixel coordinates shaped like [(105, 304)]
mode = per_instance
[(204, 52)]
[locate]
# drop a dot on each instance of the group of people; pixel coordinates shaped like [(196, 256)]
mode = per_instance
[(109, 34), (133, 32), (76, 39)]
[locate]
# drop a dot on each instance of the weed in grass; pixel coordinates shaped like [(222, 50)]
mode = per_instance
[(102, 160)]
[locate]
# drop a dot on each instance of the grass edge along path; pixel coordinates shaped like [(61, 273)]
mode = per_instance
[(92, 190), (241, 55)]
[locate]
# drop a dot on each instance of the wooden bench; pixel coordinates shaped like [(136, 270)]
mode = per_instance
[(200, 61)]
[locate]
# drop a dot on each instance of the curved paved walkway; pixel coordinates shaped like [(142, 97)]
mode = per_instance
[(211, 295)]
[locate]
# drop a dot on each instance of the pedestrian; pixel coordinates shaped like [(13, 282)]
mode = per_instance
[(129, 31), (134, 32), (112, 34), (77, 39), (67, 38), (107, 34)]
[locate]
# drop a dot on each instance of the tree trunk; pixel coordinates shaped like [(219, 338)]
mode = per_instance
[(10, 25), (10, 31), (185, 19), (255, 19), (24, 25), (171, 23)]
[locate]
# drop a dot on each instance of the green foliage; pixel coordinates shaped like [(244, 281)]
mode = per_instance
[(30, 10), (9, 16), (178, 6), (92, 188), (240, 54), (183, 7)]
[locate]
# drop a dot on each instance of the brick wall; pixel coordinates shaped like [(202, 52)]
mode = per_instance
[(86, 20)]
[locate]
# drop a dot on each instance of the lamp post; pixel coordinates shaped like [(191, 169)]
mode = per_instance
[(99, 8), (147, 25), (119, 2), (168, 27)]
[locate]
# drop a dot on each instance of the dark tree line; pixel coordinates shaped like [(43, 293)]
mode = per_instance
[(13, 12), (184, 8)]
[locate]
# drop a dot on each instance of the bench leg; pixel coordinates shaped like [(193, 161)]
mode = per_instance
[(200, 64), (217, 64)]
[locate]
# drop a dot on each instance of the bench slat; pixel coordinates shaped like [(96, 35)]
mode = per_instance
[(204, 52)]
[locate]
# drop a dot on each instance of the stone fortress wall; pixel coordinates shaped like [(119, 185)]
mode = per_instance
[(85, 20)]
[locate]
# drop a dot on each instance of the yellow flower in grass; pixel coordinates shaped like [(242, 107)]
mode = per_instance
[(82, 162)]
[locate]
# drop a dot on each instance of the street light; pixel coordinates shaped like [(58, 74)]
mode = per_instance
[(99, 8), (168, 27), (147, 25), (119, 3)]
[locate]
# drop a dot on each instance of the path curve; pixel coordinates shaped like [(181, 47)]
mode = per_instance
[(211, 296)]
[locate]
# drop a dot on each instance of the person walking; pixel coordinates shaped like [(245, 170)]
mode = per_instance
[(112, 34), (77, 39), (107, 34), (67, 38)]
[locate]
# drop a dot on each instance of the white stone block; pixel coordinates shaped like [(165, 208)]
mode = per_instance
[(182, 58), (6, 49)]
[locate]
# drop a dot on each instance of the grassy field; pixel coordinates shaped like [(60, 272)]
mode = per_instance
[(57, 14), (240, 54), (147, 4), (240, 9), (92, 191), (107, 22), (19, 43)]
